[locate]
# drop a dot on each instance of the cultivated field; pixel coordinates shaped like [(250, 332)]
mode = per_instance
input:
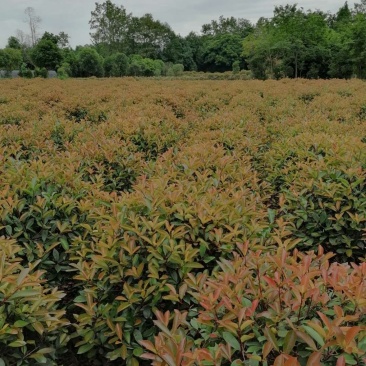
[(182, 222)]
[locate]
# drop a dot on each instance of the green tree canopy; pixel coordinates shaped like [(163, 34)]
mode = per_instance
[(222, 51), (109, 25), (13, 42), (89, 62), (47, 54), (10, 59)]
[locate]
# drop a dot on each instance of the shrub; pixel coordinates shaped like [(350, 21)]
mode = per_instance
[(268, 309), (236, 67), (329, 209), (178, 69), (43, 73), (33, 330)]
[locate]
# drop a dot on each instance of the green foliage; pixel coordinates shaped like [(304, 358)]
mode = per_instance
[(140, 66), (10, 59), (43, 73), (236, 67), (178, 69), (89, 63), (44, 219), (25, 72), (222, 51), (13, 42), (116, 65), (64, 71), (33, 330), (46, 54), (330, 211), (109, 25)]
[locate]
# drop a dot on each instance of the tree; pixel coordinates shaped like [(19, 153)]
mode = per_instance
[(10, 59), (33, 22), (360, 8), (222, 51), (357, 44), (13, 42), (63, 40), (109, 25), (196, 44), (148, 37), (116, 65), (46, 53), (179, 51), (24, 39), (260, 50), (239, 26), (89, 63)]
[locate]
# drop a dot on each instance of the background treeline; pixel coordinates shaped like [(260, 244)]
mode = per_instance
[(293, 43)]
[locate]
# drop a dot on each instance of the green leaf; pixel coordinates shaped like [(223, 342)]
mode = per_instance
[(20, 324), (85, 348), (289, 342), (17, 343), (271, 216), (349, 359), (231, 340), (64, 243), (271, 338), (2, 362), (315, 335), (138, 351), (25, 293)]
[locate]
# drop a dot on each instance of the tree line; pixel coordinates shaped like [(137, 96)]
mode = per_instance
[(292, 43)]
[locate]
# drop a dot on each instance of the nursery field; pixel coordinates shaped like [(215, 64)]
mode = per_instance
[(175, 222)]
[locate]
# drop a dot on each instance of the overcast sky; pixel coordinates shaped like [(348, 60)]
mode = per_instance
[(72, 16)]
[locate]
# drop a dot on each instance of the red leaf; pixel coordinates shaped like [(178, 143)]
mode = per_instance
[(351, 334), (314, 359), (341, 361)]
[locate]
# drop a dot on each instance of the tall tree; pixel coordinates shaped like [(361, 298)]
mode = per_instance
[(109, 25), (46, 52), (148, 37), (239, 26), (33, 21)]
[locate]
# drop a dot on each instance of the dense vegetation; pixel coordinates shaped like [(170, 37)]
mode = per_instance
[(293, 43), (182, 223)]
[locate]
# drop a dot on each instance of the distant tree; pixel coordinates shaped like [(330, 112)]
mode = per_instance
[(344, 14), (360, 7), (13, 42), (24, 39), (33, 22), (63, 40), (46, 54), (179, 51), (89, 63), (148, 37), (50, 37), (239, 26), (116, 65), (10, 59), (109, 26), (196, 44), (222, 51)]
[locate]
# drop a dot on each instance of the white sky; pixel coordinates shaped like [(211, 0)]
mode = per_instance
[(72, 16)]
